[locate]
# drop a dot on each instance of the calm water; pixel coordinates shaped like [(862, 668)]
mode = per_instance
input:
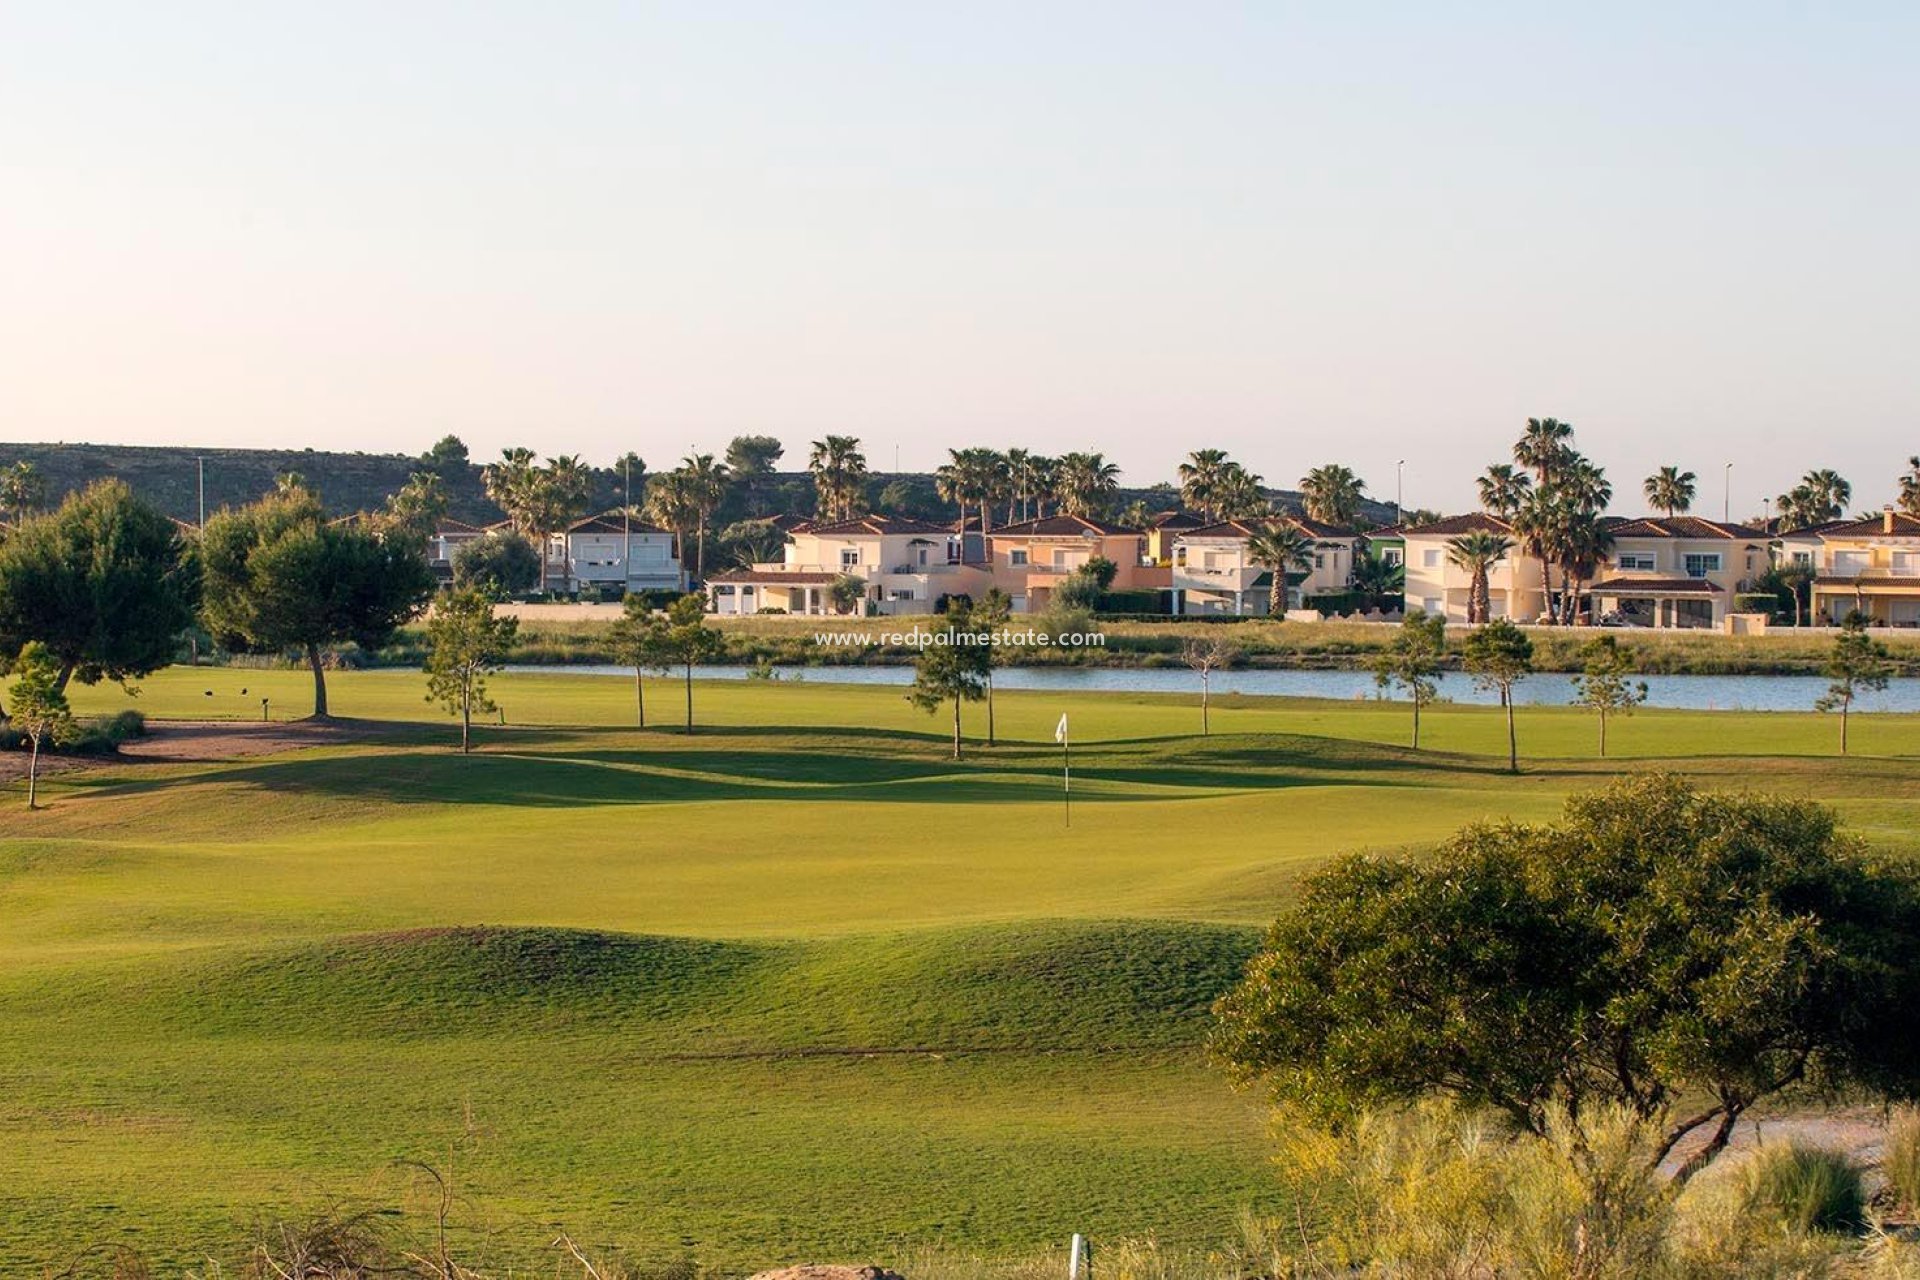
[(1699, 693)]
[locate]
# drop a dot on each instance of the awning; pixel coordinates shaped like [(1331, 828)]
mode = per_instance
[(1654, 587)]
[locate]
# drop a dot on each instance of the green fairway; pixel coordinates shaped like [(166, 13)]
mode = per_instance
[(795, 986)]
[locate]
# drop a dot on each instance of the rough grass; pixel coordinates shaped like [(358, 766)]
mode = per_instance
[(795, 986)]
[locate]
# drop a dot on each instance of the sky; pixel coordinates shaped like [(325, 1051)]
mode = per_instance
[(1356, 232)]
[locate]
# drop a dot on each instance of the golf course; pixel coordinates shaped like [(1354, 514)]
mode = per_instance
[(795, 986)]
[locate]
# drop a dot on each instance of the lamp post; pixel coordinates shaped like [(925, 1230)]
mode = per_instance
[(1399, 490), (1726, 497)]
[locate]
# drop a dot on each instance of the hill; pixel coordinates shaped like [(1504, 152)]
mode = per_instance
[(168, 476)]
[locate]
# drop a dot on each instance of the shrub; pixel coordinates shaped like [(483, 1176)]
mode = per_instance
[(1810, 1188), (1902, 1161)]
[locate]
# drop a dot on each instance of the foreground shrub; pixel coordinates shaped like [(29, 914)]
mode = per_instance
[(1902, 1161), (1808, 1187)]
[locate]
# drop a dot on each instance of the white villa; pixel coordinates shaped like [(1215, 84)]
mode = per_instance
[(902, 566), (614, 550), (1213, 574)]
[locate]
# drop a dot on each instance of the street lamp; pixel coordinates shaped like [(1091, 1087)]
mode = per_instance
[(1399, 489), (1726, 499)]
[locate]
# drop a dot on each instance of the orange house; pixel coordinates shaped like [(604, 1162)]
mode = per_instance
[(1031, 558)]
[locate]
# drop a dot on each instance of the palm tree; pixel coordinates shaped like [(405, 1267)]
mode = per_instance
[(975, 475), (1537, 525), (1910, 487), (1200, 480), (1332, 494), (1238, 495), (1281, 547), (1504, 490), (670, 504), (706, 483), (1585, 545), (511, 485), (1830, 492), (1087, 483), (1583, 486), (1375, 578), (1046, 484), (1477, 553), (1544, 446), (839, 475), (1022, 483), (1671, 490)]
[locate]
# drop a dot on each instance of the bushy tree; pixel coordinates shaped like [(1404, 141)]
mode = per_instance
[(1603, 686), (500, 563), (1858, 664), (1499, 656), (1656, 946), (39, 708), (280, 575), (1411, 661), (466, 643), (955, 668), (106, 583)]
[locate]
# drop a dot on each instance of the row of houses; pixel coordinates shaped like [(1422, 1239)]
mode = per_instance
[(1682, 571)]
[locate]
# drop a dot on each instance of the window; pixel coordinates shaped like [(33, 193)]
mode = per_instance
[(1319, 561), (1803, 558), (1430, 559), (1017, 556), (1636, 561), (849, 557), (1394, 555), (920, 557), (1430, 605), (1700, 564)]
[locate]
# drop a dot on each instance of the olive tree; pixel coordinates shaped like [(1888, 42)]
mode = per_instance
[(280, 575), (1657, 945)]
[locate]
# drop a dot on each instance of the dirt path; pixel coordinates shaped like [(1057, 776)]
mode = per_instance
[(204, 741)]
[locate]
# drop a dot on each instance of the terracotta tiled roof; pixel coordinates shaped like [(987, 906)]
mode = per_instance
[(1904, 526), (1061, 527), (450, 525), (1248, 527), (1676, 527), (797, 577), (1629, 586), (1175, 520), (612, 522), (1454, 526), (874, 527)]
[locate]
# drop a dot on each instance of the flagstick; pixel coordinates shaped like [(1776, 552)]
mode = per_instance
[(1066, 777)]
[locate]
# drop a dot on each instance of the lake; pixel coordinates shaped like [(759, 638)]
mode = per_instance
[(1695, 693)]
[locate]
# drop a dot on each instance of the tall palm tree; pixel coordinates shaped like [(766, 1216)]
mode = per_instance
[(1332, 494), (839, 476), (1281, 547), (1910, 487), (1376, 578), (511, 485), (1583, 486), (1200, 480), (1671, 490), (1238, 494), (1831, 493), (563, 490), (706, 484), (1544, 446), (1477, 553), (1537, 525), (1046, 484), (1584, 546), (1087, 483), (1504, 490)]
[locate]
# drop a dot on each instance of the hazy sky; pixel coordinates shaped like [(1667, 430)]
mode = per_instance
[(1304, 233)]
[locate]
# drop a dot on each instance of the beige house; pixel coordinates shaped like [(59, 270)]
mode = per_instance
[(1676, 572), (1029, 559), (1213, 573), (448, 537), (902, 566), (1871, 566), (1435, 585)]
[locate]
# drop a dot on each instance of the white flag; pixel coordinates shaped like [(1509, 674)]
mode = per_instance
[(1060, 730)]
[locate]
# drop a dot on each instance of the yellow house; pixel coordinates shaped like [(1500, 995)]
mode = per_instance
[(1516, 587), (1872, 566), (1676, 572)]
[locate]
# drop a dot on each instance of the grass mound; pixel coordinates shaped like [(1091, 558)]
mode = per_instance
[(1039, 987), (455, 980)]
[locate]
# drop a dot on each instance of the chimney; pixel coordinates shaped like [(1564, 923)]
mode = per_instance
[(1886, 518)]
